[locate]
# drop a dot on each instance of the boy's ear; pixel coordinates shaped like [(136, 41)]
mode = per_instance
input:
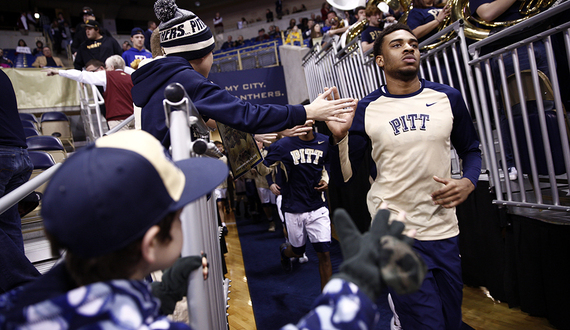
[(149, 244)]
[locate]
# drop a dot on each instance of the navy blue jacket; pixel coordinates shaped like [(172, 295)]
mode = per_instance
[(11, 129), (210, 99)]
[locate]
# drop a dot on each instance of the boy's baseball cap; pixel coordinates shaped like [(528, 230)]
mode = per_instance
[(109, 193), (182, 33), (137, 30)]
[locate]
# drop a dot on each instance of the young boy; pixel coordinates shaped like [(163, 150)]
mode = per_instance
[(114, 206)]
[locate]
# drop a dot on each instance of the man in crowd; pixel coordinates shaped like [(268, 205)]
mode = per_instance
[(16, 168), (151, 26), (97, 46), (116, 87), (137, 52), (411, 124), (47, 60), (80, 36), (375, 26), (228, 44)]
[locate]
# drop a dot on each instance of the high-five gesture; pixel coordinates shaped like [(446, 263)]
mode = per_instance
[(325, 108), (341, 124)]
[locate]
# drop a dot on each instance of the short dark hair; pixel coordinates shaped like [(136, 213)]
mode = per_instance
[(359, 8), (385, 32), (119, 264), (96, 63)]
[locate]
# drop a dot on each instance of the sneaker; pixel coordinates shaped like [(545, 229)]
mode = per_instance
[(303, 259), (513, 174), (225, 231), (271, 226), (286, 263)]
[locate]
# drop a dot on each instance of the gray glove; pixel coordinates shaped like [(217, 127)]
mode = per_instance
[(174, 283), (380, 255)]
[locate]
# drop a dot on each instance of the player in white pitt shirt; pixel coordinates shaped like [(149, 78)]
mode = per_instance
[(411, 124)]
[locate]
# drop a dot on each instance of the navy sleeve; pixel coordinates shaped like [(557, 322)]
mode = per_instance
[(464, 138), (218, 104), (273, 154)]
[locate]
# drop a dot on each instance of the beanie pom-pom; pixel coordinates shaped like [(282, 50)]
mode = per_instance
[(165, 10)]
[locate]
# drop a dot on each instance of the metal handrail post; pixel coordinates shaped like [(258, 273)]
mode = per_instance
[(24, 190), (206, 303)]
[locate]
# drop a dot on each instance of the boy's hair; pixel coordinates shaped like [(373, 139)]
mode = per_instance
[(155, 47), (120, 264), (380, 39)]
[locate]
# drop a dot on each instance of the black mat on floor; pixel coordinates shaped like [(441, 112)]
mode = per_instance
[(279, 298)]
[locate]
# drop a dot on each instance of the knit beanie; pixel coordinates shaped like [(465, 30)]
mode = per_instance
[(182, 33)]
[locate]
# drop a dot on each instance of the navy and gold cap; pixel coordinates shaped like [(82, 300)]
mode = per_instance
[(109, 193), (182, 33)]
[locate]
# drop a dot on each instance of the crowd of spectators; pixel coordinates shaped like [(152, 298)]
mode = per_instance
[(313, 29)]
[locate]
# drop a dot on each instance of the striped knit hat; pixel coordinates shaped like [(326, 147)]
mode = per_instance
[(182, 33)]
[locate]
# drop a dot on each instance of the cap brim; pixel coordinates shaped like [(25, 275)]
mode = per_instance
[(203, 175)]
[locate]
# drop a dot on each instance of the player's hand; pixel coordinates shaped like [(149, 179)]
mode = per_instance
[(297, 130), (324, 108), (453, 193), (339, 129), (275, 189), (267, 138), (323, 185)]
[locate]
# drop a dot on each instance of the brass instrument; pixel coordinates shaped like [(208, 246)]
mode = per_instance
[(353, 32), (477, 29), (338, 22), (474, 28)]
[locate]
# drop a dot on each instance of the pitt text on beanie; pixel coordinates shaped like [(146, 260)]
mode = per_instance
[(182, 33)]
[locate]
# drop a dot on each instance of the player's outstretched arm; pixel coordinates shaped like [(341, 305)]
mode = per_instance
[(325, 108)]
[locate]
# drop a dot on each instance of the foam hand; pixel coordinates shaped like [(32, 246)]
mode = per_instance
[(174, 283), (380, 256)]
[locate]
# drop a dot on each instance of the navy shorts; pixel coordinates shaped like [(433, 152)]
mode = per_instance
[(437, 305)]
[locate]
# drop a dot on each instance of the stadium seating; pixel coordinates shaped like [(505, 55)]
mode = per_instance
[(30, 131), (57, 124), (49, 144)]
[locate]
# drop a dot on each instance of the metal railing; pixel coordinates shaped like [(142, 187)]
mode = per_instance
[(533, 133), (256, 56), (475, 74)]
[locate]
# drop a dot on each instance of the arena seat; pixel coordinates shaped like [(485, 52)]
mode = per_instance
[(229, 64), (57, 124), (267, 57), (28, 117), (42, 160), (30, 131), (248, 62), (49, 144), (29, 124)]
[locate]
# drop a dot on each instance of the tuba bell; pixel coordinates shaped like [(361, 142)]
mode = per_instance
[(477, 29)]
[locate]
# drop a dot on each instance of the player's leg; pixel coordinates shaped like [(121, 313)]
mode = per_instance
[(265, 195), (318, 227), (437, 305), (295, 223), (220, 194), (449, 282)]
